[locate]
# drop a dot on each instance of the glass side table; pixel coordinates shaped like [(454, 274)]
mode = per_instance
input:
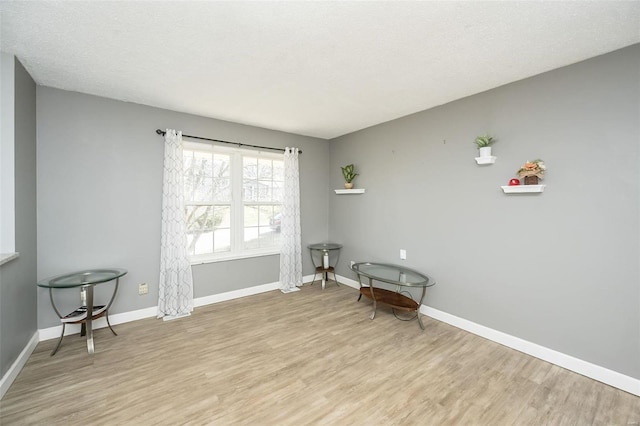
[(86, 313), (325, 260)]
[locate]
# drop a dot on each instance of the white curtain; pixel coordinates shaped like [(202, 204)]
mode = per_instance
[(176, 282), (291, 251)]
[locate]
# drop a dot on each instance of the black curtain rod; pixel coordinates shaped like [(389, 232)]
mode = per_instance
[(162, 132)]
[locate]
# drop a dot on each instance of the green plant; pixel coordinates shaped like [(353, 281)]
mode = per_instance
[(348, 173), (483, 141)]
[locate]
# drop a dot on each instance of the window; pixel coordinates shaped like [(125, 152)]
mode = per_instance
[(7, 156), (233, 200)]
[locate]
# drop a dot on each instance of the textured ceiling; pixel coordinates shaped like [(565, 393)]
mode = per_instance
[(314, 68)]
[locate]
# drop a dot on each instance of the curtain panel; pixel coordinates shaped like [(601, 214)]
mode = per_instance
[(291, 250), (175, 298)]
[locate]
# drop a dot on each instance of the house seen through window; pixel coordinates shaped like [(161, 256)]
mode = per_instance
[(233, 200)]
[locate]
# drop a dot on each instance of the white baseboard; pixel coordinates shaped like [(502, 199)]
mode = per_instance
[(235, 294), (121, 318), (593, 371), (17, 365), (348, 281), (596, 372)]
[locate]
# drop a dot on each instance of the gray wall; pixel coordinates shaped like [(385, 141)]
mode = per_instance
[(559, 269), (18, 277), (99, 195)]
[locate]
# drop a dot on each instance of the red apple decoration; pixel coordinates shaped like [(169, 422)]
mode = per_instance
[(514, 182)]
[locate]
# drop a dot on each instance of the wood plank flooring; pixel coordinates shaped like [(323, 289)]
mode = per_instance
[(311, 357)]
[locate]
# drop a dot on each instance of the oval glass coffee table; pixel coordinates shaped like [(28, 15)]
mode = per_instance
[(86, 313), (395, 275)]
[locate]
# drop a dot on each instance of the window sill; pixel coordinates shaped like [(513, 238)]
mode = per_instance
[(8, 257), (201, 261)]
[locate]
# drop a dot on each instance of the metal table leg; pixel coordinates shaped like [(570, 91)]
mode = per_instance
[(373, 297), (55, 308), (113, 296), (424, 291), (89, 320)]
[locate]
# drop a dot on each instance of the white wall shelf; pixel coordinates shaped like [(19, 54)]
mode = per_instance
[(349, 191), (523, 189), (486, 160)]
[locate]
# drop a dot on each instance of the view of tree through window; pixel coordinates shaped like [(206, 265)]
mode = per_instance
[(262, 192), (232, 201)]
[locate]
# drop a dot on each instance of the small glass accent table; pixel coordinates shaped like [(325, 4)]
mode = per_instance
[(398, 276), (325, 266), (86, 313)]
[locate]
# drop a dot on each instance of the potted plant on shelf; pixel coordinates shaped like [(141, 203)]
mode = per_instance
[(349, 175), (484, 145), (532, 171)]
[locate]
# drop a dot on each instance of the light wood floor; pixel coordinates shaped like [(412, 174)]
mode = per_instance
[(311, 357)]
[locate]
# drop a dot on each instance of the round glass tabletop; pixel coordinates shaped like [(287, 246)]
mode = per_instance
[(324, 246), (80, 278)]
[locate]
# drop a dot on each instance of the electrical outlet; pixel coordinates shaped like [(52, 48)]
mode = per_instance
[(143, 289), (403, 254)]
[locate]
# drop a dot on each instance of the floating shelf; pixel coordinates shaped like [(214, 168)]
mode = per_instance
[(522, 189), (349, 191), (486, 160)]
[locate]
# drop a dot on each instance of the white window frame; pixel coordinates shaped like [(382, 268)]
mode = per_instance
[(7, 159), (237, 203)]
